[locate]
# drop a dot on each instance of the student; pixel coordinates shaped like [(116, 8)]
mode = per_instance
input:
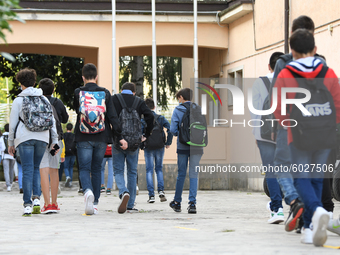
[(308, 183), (108, 159), (49, 174), (8, 160), (185, 155), (127, 99), (267, 147), (31, 144), (95, 113), (70, 154), (154, 153)]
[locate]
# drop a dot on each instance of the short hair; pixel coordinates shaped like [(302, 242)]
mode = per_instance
[(89, 71), (129, 86), (47, 86), (302, 41), (303, 21), (6, 127), (69, 126), (150, 103), (273, 58), (186, 93), (26, 77)]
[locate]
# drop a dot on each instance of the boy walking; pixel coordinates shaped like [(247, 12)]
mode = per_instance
[(70, 154), (95, 113), (8, 160), (154, 152)]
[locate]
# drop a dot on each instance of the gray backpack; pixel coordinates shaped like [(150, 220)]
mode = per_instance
[(130, 123), (266, 129)]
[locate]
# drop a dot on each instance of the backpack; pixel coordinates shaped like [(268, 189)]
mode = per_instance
[(37, 112), (70, 146), (318, 131), (92, 111), (108, 152), (266, 128), (130, 123), (5, 137), (157, 138), (57, 121), (193, 128)]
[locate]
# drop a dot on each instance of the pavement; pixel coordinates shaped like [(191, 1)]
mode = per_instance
[(227, 222)]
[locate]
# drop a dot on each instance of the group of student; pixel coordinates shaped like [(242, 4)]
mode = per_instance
[(311, 142), (122, 123)]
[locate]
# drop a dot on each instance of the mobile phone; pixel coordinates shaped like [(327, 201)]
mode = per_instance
[(56, 147)]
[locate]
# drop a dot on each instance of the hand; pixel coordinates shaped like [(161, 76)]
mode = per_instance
[(62, 160), (143, 138), (124, 144), (11, 150), (167, 146), (56, 151)]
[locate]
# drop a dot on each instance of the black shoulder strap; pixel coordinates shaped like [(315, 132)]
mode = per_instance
[(321, 74), (187, 106), (266, 82), (286, 58), (135, 103), (121, 101)]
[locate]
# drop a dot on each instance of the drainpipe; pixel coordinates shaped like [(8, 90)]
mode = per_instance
[(195, 51), (154, 54), (286, 26), (113, 46)]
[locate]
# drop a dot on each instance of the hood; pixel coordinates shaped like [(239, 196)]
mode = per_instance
[(306, 67), (30, 91)]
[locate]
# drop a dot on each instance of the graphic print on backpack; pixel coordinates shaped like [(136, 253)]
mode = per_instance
[(37, 112), (157, 138), (317, 131), (193, 128), (92, 111)]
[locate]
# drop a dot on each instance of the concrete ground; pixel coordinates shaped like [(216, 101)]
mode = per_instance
[(227, 222)]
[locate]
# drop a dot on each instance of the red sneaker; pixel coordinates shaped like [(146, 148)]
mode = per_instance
[(47, 209), (55, 208)]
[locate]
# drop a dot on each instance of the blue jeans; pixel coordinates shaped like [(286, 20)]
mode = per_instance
[(119, 156), (282, 158), (309, 183), (152, 156), (68, 166), (267, 151), (31, 153), (19, 175), (90, 155), (109, 174), (182, 163)]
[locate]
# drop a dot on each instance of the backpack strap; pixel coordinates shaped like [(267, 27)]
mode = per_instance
[(53, 100), (135, 103), (266, 82), (321, 74), (121, 100)]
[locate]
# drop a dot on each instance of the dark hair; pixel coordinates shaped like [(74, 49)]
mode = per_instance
[(186, 93), (26, 77), (47, 86), (273, 58), (6, 127), (89, 71), (150, 103), (69, 126), (302, 41), (129, 86), (303, 21)]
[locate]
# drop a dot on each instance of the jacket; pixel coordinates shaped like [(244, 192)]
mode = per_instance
[(60, 108), (17, 128)]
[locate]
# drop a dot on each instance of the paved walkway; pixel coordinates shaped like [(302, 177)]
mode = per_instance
[(227, 222)]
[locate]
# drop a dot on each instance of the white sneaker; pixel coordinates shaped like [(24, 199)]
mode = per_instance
[(95, 209), (276, 217), (320, 222), (27, 211), (9, 188), (334, 226), (306, 236), (36, 206), (67, 182), (89, 198), (137, 190)]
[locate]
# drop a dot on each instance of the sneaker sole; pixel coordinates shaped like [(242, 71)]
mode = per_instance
[(320, 236), (151, 202), (27, 215), (123, 203), (192, 212), (162, 198), (36, 210), (89, 205), (278, 220), (294, 223), (67, 183)]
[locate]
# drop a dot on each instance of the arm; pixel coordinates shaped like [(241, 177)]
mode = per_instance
[(148, 117), (76, 100), (334, 88), (169, 137), (174, 123), (112, 116), (13, 122), (64, 114)]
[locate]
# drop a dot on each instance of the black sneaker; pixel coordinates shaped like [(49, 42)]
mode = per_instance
[(132, 210), (151, 199), (21, 191), (300, 226), (175, 206), (295, 214), (123, 203), (192, 208), (80, 191), (162, 196)]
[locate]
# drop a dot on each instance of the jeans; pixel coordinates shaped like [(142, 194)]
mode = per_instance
[(19, 175), (309, 184), (267, 151), (90, 155), (109, 174), (68, 166), (119, 156), (31, 153), (8, 165), (282, 158), (152, 156), (182, 163)]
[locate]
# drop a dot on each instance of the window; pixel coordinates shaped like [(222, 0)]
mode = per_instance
[(235, 77)]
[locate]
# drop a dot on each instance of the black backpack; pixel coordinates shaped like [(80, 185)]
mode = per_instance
[(157, 138), (193, 128), (317, 131), (6, 143), (130, 124), (70, 145), (57, 121), (266, 128)]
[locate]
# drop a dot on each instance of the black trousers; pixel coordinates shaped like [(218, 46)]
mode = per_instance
[(327, 181)]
